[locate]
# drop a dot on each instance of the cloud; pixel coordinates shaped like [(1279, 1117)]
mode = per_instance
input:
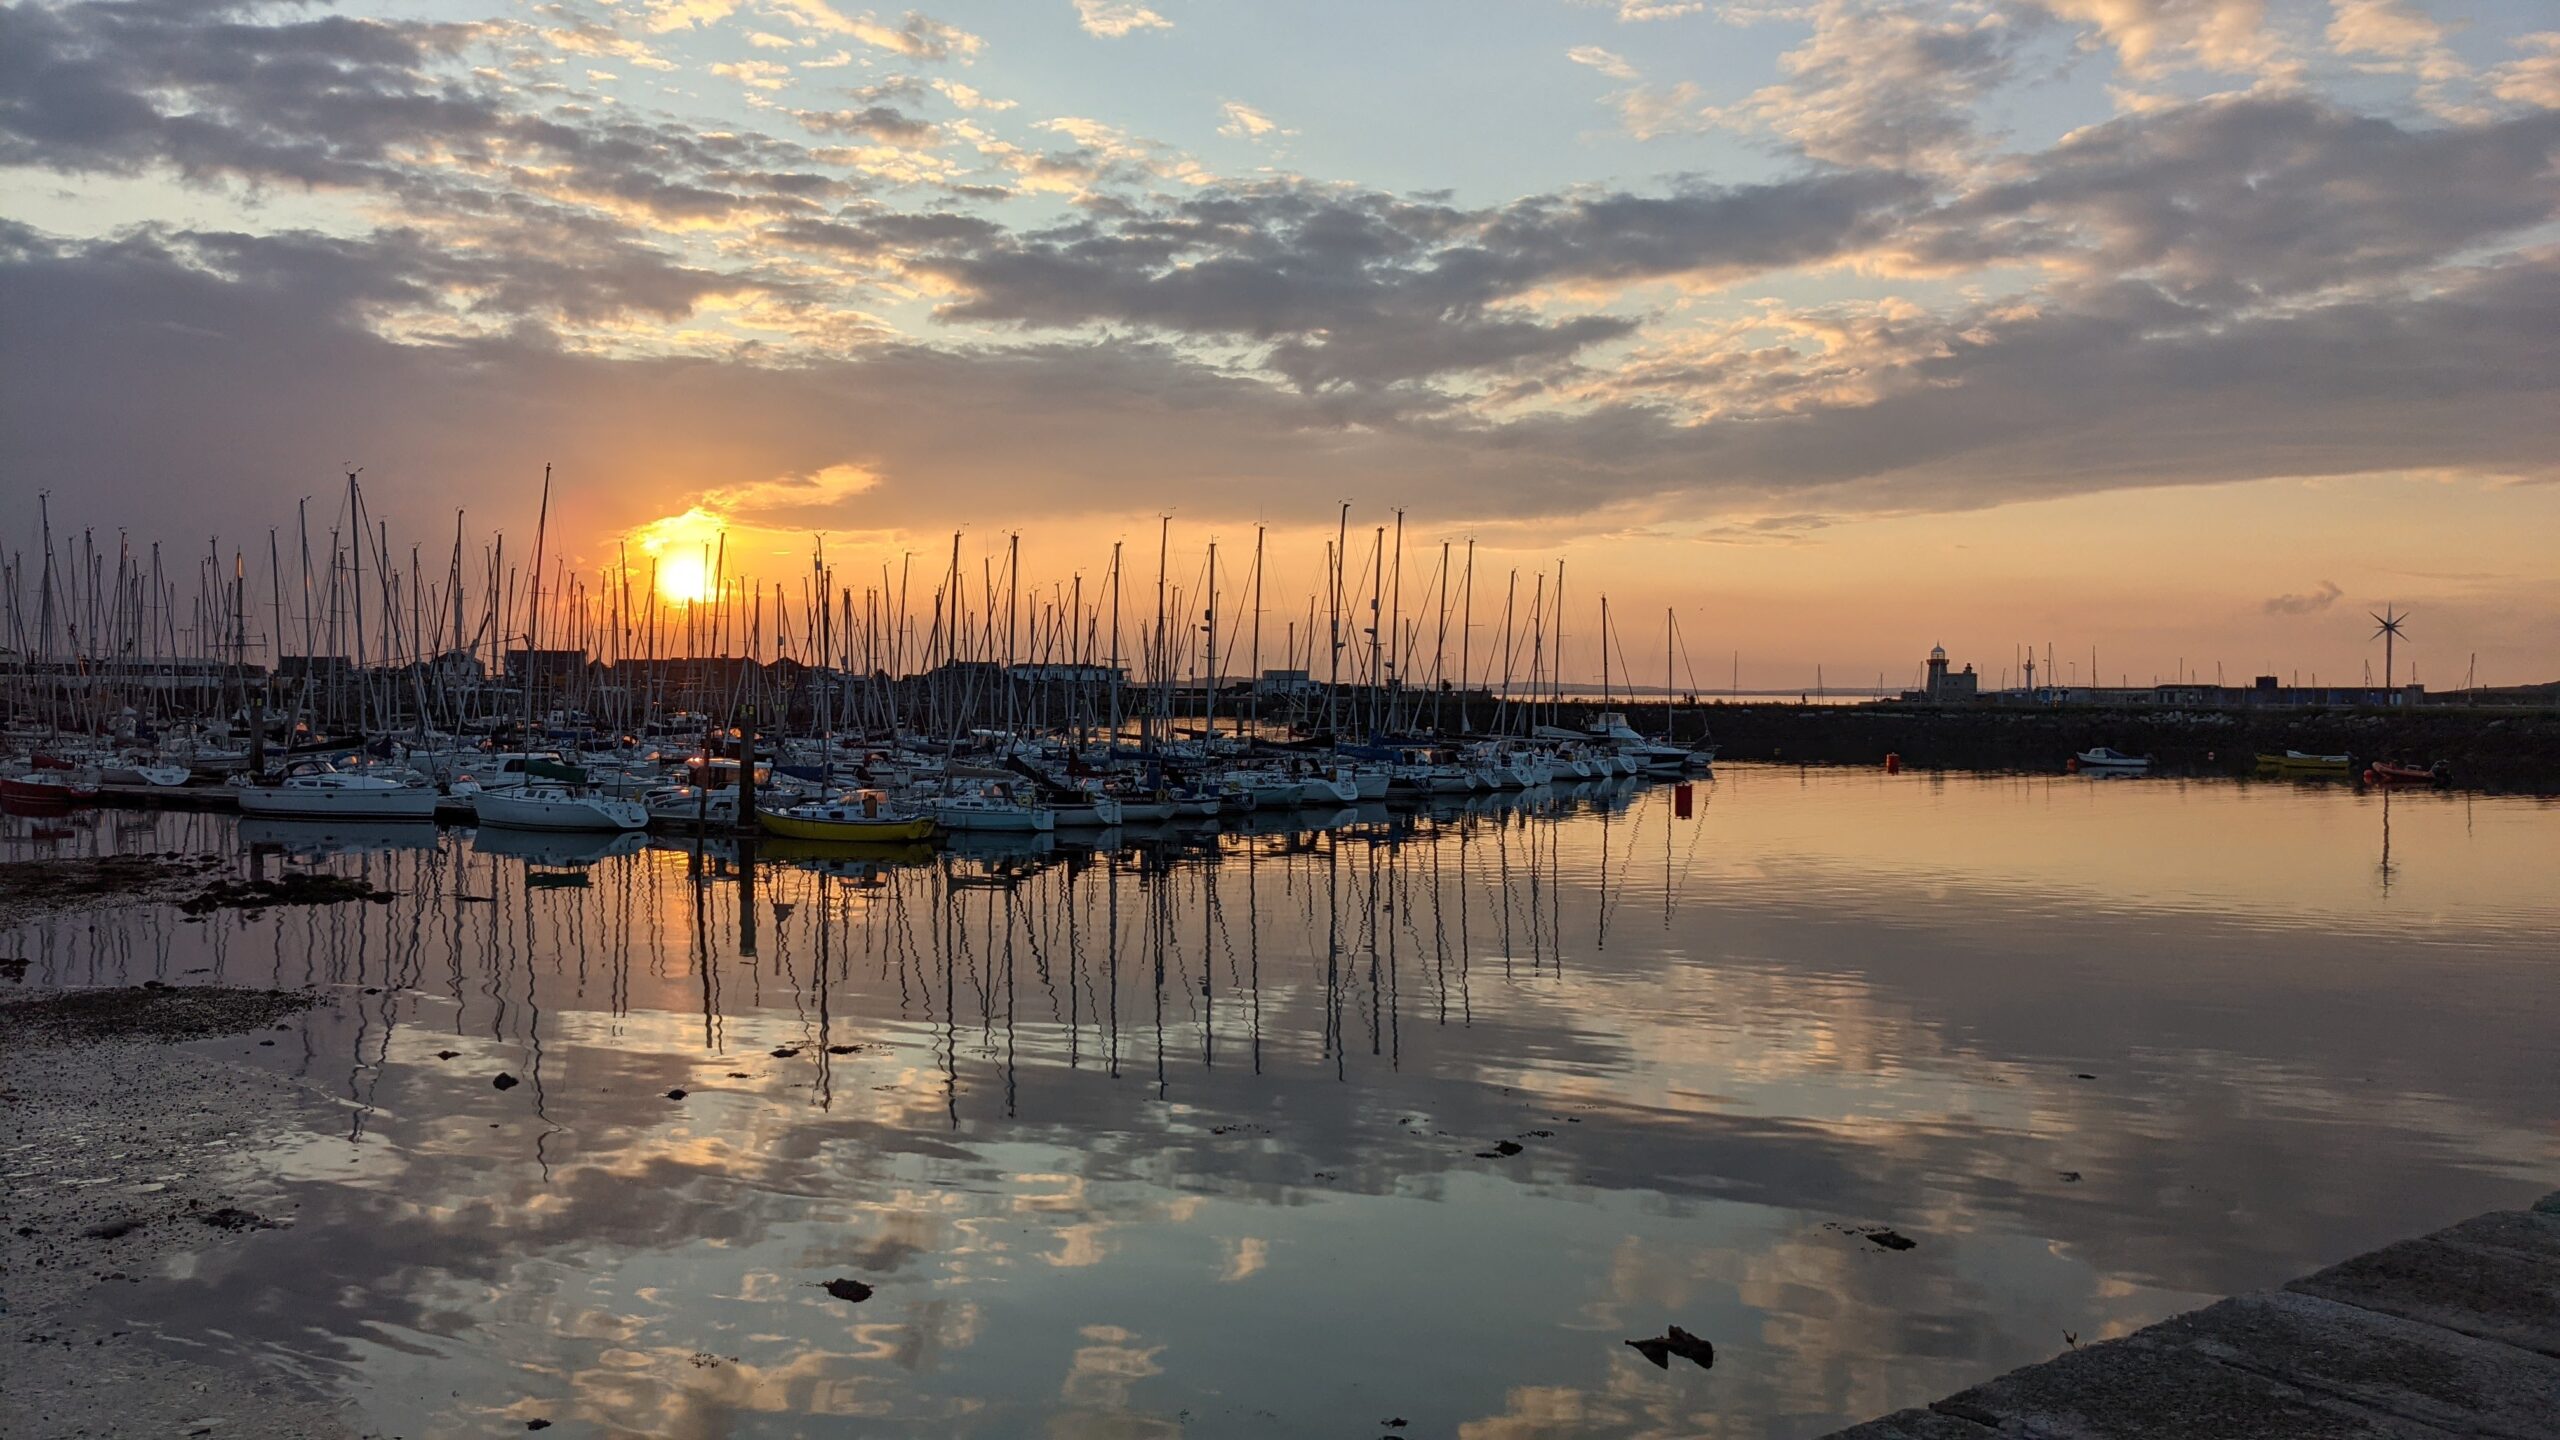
[(1652, 111), (2255, 195), (1633, 11), (1364, 288), (2534, 77), (2307, 604), (1114, 19), (262, 353), (755, 74), (1888, 85), (1606, 62), (2268, 283), (1243, 122), (2150, 36), (917, 36), (967, 97)]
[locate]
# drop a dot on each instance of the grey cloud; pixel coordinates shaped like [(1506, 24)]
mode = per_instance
[(2306, 604), (885, 123), (2231, 198), (1355, 286), (1888, 85), (261, 370), (921, 37), (340, 101)]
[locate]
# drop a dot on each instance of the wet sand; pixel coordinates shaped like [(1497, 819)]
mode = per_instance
[(125, 1152)]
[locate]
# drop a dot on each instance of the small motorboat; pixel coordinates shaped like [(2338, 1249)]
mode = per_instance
[(2108, 760), (2390, 772), (867, 818)]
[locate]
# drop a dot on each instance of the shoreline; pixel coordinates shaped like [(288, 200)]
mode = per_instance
[(129, 1150)]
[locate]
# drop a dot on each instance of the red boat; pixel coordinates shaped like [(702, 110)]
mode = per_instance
[(51, 789), (2386, 772)]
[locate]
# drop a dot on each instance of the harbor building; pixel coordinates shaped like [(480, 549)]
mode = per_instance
[(1947, 686)]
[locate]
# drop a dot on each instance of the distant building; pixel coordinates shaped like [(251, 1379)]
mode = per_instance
[(546, 666), (1285, 684), (1061, 673)]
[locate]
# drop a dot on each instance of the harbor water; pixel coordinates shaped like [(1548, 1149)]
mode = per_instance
[(1353, 1123)]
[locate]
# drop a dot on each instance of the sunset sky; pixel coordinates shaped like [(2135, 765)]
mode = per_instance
[(2188, 330)]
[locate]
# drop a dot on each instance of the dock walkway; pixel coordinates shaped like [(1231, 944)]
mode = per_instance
[(2454, 1333)]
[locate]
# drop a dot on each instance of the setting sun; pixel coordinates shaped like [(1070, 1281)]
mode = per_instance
[(680, 550)]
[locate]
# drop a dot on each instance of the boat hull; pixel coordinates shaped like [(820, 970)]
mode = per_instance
[(890, 831), (288, 803), (517, 811)]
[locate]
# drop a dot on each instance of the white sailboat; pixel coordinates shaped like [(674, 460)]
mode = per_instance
[(317, 790), (556, 807)]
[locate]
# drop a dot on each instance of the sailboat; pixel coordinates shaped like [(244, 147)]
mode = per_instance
[(318, 790), (866, 818), (551, 806)]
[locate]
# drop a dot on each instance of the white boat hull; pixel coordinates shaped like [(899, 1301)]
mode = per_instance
[(1009, 820), (285, 802), (517, 810)]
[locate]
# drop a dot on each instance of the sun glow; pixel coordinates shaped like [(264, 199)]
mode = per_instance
[(681, 551)]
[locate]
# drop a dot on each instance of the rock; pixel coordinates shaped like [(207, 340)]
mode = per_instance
[(232, 1217), (852, 1292), (1676, 1341), (505, 1081)]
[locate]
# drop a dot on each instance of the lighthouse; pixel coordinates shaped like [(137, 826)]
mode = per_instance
[(1937, 672)]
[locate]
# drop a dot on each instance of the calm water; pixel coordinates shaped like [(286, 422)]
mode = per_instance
[(1156, 1140)]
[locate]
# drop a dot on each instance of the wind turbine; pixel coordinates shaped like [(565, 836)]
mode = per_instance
[(2389, 632)]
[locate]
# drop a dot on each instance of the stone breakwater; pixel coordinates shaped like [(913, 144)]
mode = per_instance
[(2454, 1333), (2504, 750)]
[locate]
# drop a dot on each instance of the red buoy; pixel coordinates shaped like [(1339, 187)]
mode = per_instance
[(1893, 763)]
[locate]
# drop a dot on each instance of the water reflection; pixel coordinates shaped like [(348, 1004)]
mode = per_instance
[(1174, 1131)]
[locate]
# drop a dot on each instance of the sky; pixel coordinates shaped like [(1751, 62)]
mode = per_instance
[(2178, 332)]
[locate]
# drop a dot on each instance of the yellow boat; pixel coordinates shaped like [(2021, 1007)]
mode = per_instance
[(867, 819)]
